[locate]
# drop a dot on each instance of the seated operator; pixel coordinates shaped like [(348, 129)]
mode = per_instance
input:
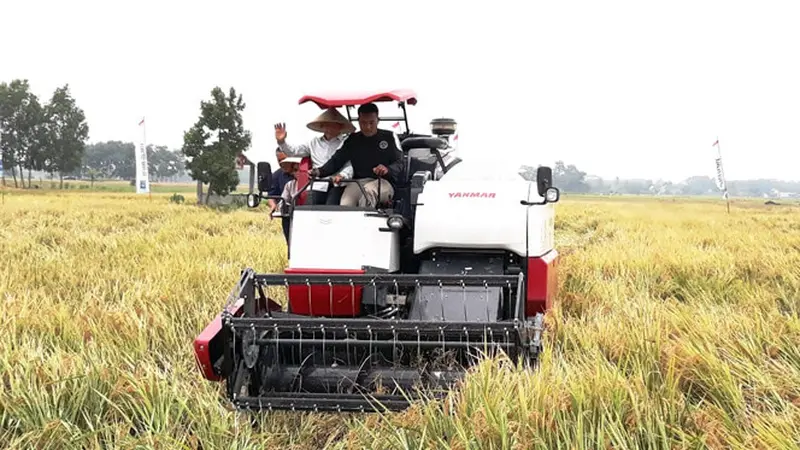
[(375, 157)]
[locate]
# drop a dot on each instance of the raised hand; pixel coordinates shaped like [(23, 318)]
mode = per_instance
[(280, 132)]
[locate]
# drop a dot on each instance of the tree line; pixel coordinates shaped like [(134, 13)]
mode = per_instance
[(51, 138), (568, 178), (117, 160), (48, 137)]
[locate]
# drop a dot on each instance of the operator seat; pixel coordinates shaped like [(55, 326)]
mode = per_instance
[(422, 154), (416, 164)]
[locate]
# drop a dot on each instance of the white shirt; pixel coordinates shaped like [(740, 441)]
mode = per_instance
[(289, 191), (320, 151)]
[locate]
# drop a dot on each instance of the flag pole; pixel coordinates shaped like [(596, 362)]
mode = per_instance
[(141, 162), (146, 168), (721, 176)]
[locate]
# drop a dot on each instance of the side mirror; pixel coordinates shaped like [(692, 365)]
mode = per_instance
[(544, 180), (264, 177), (544, 184), (552, 195), (253, 200)]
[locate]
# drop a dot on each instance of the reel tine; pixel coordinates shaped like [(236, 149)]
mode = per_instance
[(324, 347), (300, 336), (464, 300), (353, 297), (308, 287), (347, 349), (286, 289), (374, 295), (508, 338), (466, 338), (369, 330), (419, 347), (486, 298), (394, 347), (441, 299), (491, 337), (330, 295), (277, 344)]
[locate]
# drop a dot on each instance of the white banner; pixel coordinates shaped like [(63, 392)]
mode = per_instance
[(142, 181), (720, 178)]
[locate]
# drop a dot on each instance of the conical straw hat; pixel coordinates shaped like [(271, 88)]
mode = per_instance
[(331, 115)]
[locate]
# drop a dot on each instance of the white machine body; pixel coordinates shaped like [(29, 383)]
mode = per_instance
[(467, 211), (342, 239), (469, 207)]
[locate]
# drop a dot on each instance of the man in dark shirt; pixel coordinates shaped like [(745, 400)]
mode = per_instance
[(375, 156), (279, 179)]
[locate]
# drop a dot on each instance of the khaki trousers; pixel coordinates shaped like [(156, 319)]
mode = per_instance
[(352, 195)]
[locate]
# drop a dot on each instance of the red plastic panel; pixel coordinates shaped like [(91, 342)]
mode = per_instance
[(203, 342), (346, 299), (542, 283)]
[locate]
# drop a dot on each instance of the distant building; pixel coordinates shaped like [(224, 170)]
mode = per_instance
[(777, 194)]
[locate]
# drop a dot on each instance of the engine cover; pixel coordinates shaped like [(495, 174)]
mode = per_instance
[(472, 215)]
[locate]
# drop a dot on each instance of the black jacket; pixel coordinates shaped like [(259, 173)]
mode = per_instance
[(366, 152)]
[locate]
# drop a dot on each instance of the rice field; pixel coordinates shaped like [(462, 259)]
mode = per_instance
[(676, 327)]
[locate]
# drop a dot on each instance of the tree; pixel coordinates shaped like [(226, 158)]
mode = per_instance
[(163, 163), (569, 178), (21, 118), (528, 173), (699, 185), (213, 161), (36, 137), (635, 186), (67, 132), (114, 159)]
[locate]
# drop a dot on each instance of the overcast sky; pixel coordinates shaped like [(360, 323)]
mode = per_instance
[(618, 88)]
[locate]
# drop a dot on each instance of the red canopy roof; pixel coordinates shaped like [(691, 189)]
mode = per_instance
[(334, 100)]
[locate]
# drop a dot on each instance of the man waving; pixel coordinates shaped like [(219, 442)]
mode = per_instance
[(334, 128), (375, 157)]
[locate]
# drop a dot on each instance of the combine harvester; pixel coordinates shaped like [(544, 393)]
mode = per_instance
[(383, 301)]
